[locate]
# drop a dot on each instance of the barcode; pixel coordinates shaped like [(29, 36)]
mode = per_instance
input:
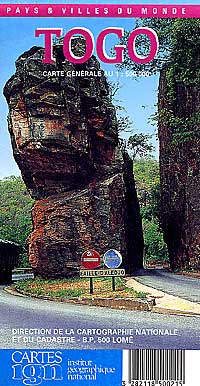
[(156, 365)]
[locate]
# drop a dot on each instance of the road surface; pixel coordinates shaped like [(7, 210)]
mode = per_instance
[(28, 313), (177, 285)]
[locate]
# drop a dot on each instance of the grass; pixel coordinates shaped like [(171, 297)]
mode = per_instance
[(77, 288)]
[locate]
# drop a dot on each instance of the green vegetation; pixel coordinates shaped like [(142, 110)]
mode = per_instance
[(178, 56), (155, 247), (178, 38), (136, 294), (178, 59), (139, 145), (183, 72), (16, 204), (76, 288), (146, 172), (15, 213)]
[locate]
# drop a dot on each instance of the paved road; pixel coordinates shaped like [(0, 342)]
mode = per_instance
[(182, 286), (18, 312)]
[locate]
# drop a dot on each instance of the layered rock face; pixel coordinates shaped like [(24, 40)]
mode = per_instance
[(65, 141), (180, 178)]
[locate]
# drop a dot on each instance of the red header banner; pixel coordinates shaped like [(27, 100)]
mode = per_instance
[(102, 10)]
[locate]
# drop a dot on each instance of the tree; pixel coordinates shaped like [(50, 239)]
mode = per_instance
[(155, 247), (178, 58), (140, 145), (147, 180), (124, 122), (174, 35), (15, 213)]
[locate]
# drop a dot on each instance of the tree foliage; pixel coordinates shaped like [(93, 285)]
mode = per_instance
[(15, 212), (146, 173), (178, 56), (137, 144), (124, 122), (183, 72), (140, 145), (177, 37), (155, 247)]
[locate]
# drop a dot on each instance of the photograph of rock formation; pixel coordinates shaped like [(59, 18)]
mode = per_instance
[(65, 141), (98, 156), (88, 186)]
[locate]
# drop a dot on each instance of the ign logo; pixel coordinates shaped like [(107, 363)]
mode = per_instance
[(32, 367)]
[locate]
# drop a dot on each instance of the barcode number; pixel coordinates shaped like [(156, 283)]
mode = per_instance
[(155, 367)]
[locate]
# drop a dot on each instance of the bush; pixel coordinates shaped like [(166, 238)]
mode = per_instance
[(146, 173), (15, 213), (155, 247)]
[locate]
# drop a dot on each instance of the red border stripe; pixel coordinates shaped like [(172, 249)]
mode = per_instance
[(102, 10)]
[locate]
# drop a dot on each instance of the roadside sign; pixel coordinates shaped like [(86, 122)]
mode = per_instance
[(112, 258), (102, 272), (90, 259), (92, 273)]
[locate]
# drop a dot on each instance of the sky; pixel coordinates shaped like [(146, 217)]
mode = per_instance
[(139, 96)]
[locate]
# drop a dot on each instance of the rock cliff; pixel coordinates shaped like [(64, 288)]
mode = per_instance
[(179, 135), (65, 141)]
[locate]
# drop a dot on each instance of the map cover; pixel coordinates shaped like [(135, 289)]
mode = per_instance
[(99, 193)]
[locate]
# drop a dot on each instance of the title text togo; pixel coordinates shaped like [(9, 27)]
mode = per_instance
[(117, 58)]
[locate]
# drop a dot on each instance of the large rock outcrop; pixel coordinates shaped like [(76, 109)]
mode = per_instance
[(179, 135), (65, 140)]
